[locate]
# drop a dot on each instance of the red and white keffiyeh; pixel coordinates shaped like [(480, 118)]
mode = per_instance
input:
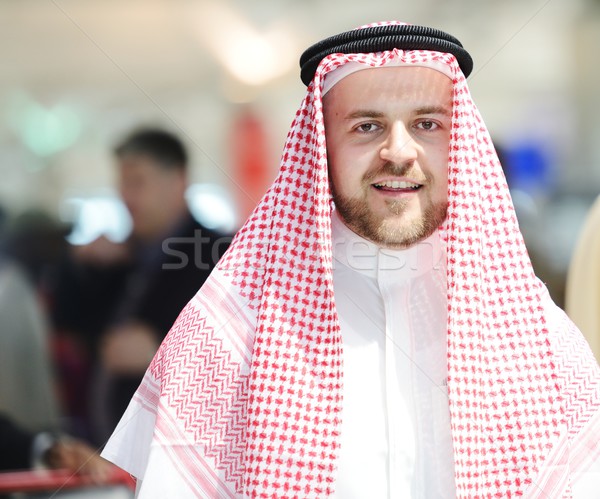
[(244, 398)]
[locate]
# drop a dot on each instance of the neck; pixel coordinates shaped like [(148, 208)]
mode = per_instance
[(365, 257)]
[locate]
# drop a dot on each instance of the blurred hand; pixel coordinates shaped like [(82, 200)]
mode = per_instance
[(129, 349), (80, 458)]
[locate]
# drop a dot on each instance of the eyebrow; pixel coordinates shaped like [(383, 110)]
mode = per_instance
[(433, 110), (364, 113)]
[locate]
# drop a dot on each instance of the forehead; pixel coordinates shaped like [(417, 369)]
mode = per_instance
[(404, 85), (139, 164), (142, 169)]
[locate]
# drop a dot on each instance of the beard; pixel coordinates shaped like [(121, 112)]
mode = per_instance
[(391, 229)]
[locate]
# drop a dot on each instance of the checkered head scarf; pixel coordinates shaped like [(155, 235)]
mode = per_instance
[(244, 395)]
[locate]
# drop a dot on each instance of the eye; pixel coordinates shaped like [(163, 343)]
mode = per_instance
[(367, 127), (428, 125)]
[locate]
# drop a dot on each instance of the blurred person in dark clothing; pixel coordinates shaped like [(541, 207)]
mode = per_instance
[(120, 300), (36, 241), (29, 409), (27, 389)]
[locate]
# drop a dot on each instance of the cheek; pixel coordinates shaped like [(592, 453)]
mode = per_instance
[(439, 166), (144, 200), (334, 176), (348, 162), (334, 164), (441, 182), (340, 174), (130, 198), (438, 178)]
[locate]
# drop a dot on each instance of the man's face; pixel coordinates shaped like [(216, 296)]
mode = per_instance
[(153, 195), (388, 131)]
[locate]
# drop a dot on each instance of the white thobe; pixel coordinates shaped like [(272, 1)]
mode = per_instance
[(395, 438)]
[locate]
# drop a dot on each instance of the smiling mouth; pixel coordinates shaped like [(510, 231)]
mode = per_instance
[(397, 186)]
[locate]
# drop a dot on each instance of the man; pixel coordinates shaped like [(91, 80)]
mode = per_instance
[(397, 345), (121, 299)]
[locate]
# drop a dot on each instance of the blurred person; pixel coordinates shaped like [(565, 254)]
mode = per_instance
[(30, 415), (583, 280), (121, 299), (27, 381), (376, 328), (36, 241), (21, 449)]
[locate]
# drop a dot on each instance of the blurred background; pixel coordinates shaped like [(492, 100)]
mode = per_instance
[(76, 75)]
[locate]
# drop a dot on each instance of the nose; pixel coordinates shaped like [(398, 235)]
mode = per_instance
[(399, 145)]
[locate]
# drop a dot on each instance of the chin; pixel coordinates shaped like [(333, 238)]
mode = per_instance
[(392, 234)]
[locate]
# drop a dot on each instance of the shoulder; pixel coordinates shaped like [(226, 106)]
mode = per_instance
[(213, 240)]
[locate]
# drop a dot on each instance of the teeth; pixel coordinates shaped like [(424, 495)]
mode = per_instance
[(396, 184)]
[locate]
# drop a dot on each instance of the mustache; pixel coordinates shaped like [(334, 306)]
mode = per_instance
[(395, 170)]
